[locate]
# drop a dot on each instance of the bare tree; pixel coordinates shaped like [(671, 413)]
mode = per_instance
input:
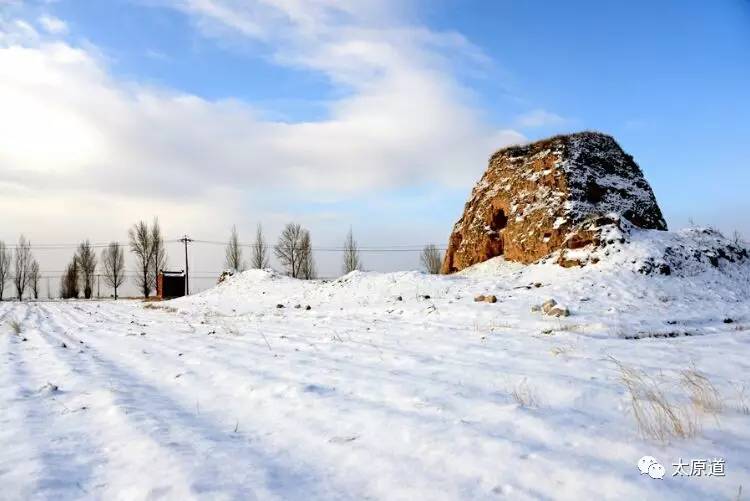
[(34, 278), (86, 267), (5, 259), (70, 280), (233, 253), (140, 246), (307, 263), (158, 254), (431, 259), (288, 249), (113, 261), (352, 261), (22, 263), (259, 258)]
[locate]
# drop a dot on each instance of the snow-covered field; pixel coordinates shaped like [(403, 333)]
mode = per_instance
[(390, 386)]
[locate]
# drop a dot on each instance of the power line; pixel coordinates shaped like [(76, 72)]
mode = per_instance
[(367, 248), (75, 246)]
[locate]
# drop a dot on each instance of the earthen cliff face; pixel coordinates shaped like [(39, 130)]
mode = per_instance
[(550, 196)]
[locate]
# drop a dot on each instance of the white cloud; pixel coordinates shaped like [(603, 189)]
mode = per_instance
[(405, 122), (53, 25), (539, 118), (71, 131)]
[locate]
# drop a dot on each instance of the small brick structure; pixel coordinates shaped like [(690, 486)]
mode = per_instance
[(170, 284)]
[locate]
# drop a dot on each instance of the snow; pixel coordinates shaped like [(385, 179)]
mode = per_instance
[(391, 386)]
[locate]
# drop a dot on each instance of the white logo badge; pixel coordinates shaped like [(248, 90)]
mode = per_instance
[(648, 465)]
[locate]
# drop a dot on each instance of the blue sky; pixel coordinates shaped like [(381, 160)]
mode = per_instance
[(353, 105)]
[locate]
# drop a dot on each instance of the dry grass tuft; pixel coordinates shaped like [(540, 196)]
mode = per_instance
[(561, 350), (742, 403), (572, 327), (156, 306), (15, 327), (491, 326), (702, 392), (525, 395), (657, 416)]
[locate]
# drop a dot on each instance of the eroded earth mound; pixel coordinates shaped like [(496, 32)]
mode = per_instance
[(551, 196)]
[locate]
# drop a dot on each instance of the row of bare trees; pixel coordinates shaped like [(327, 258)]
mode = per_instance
[(22, 265), (234, 260), (294, 252), (77, 278), (80, 273), (146, 243)]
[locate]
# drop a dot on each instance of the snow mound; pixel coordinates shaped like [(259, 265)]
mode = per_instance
[(686, 253), (652, 284)]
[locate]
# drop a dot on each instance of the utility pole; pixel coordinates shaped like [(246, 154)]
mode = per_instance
[(186, 240), (98, 287)]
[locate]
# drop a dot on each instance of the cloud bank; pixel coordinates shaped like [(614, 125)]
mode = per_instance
[(72, 136)]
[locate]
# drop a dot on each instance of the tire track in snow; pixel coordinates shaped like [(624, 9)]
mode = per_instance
[(337, 359), (321, 423), (122, 448), (242, 371), (305, 427), (51, 467), (17, 462), (218, 462), (326, 422)]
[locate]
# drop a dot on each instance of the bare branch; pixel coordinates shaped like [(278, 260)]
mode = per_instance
[(158, 253), (307, 263), (288, 248), (5, 261), (34, 278), (22, 263), (113, 260), (260, 250), (233, 253), (70, 280), (352, 260), (87, 267), (431, 259), (141, 247)]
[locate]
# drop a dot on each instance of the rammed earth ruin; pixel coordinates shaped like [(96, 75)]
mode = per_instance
[(550, 196)]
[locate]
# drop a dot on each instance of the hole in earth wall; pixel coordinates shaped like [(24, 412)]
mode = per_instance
[(498, 223), (499, 220)]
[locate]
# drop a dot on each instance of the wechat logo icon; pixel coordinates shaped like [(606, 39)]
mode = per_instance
[(648, 465)]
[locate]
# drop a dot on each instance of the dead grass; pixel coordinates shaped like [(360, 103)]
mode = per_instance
[(492, 325), (487, 329), (742, 402), (702, 392), (156, 306), (561, 350), (657, 416), (572, 327), (15, 327), (525, 395)]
